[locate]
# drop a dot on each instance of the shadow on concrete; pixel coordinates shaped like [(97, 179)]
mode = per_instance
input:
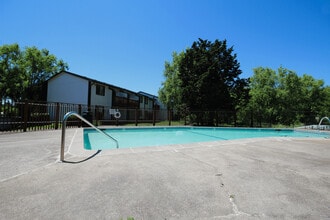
[(81, 161)]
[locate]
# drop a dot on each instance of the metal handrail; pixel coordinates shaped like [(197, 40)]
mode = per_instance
[(66, 116), (320, 123)]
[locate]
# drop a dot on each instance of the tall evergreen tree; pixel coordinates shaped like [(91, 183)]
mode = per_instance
[(209, 72)]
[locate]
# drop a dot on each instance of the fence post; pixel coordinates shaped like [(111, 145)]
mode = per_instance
[(185, 118), (136, 117), (169, 117), (216, 118), (153, 117), (57, 115), (26, 112), (80, 113)]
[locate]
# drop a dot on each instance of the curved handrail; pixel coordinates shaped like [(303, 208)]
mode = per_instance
[(320, 123), (66, 116), (323, 119)]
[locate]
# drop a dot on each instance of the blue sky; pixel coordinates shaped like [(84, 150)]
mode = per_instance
[(126, 42)]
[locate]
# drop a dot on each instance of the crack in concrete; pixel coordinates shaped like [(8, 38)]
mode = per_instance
[(236, 211)]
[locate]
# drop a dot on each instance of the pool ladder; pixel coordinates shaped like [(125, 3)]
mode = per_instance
[(69, 114)]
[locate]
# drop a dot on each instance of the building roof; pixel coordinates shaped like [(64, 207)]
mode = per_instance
[(148, 95), (91, 80), (153, 97)]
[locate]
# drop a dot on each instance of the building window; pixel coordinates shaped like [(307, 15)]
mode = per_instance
[(121, 94), (134, 97), (100, 90)]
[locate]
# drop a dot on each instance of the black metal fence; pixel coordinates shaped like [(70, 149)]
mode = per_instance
[(28, 116)]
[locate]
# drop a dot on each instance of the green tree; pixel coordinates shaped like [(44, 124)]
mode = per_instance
[(283, 97), (289, 97), (12, 81), (39, 66), (23, 72), (263, 85), (241, 97), (314, 98), (170, 92), (209, 72), (325, 111)]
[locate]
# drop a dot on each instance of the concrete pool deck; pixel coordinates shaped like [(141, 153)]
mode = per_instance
[(266, 178)]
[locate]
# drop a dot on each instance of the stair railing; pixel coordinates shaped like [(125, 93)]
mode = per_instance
[(66, 116)]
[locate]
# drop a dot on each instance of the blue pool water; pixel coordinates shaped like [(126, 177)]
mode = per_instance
[(143, 137)]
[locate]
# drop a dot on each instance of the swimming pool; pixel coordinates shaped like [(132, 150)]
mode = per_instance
[(161, 136)]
